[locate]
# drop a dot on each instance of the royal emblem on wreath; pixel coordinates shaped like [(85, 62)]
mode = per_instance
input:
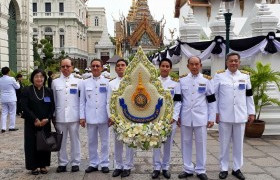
[(141, 109)]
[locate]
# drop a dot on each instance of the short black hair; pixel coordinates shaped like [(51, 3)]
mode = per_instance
[(126, 63), (50, 73), (99, 60), (18, 76), (166, 60), (5, 70), (37, 71), (233, 54), (193, 57)]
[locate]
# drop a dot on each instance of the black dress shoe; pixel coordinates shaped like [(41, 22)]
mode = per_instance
[(125, 173), (223, 174), (13, 129), (238, 174), (105, 169), (202, 176), (60, 169), (35, 172), (117, 172), (184, 175), (166, 174), (91, 169), (75, 168), (2, 131), (155, 174)]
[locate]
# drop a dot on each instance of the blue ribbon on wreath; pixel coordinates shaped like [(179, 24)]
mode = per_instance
[(141, 119)]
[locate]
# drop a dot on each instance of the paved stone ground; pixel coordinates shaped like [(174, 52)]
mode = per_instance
[(261, 159)]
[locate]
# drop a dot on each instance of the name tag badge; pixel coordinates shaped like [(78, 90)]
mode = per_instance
[(73, 91), (241, 86), (201, 89), (172, 91), (102, 89), (47, 99)]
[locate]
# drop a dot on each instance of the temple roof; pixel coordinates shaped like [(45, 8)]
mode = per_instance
[(139, 10)]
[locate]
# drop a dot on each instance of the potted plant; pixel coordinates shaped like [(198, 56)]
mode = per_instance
[(261, 77)]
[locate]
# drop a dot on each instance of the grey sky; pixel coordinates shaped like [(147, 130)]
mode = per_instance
[(158, 8)]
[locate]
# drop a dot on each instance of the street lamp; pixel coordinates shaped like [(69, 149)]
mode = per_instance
[(229, 6)]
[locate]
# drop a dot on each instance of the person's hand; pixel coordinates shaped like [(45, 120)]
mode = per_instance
[(44, 122), (251, 118), (110, 122), (83, 123), (217, 118), (210, 124), (37, 123), (179, 122), (172, 121)]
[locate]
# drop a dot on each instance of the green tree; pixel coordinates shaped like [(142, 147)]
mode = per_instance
[(261, 77)]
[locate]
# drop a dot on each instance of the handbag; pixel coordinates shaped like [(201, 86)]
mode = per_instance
[(50, 142)]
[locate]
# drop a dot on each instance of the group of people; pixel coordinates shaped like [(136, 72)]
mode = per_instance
[(199, 101)]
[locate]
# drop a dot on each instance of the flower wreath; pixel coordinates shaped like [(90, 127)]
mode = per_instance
[(148, 134)]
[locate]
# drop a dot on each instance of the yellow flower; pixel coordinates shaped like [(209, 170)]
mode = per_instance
[(137, 129)]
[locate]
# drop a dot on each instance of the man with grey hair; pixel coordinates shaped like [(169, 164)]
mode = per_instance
[(235, 106)]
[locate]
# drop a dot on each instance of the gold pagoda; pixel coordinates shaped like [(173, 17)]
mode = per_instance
[(138, 29)]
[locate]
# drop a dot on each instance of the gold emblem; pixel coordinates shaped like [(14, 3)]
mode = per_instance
[(141, 98)]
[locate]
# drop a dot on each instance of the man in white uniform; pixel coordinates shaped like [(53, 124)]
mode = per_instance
[(197, 113), (93, 112), (123, 168), (66, 96), (235, 106), (165, 67), (8, 86)]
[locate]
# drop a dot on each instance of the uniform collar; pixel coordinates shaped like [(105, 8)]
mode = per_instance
[(64, 77), (233, 74), (119, 78), (164, 79), (194, 76), (96, 78)]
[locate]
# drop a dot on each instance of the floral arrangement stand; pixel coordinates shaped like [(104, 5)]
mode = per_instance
[(141, 109)]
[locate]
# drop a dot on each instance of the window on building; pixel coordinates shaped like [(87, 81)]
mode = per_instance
[(48, 8), (61, 40), (61, 8), (34, 8), (48, 29), (96, 21)]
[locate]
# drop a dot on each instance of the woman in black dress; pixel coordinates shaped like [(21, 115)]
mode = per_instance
[(38, 108)]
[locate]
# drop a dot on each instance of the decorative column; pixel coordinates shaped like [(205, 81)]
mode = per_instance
[(264, 22), (189, 32)]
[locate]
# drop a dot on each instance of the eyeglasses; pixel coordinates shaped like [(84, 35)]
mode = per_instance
[(65, 67), (97, 66)]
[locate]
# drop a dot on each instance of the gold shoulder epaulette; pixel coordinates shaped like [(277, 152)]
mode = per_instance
[(245, 72), (76, 76), (112, 79), (207, 77), (220, 71), (87, 77), (56, 76), (184, 75)]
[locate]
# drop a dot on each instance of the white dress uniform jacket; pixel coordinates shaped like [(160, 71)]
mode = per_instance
[(196, 111), (8, 99), (232, 103), (7, 87), (93, 100), (66, 92), (174, 88), (66, 97), (118, 153)]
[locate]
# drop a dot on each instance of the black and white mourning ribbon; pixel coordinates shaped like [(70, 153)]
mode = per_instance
[(246, 47)]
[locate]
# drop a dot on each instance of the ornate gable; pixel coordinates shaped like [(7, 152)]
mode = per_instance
[(143, 27)]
